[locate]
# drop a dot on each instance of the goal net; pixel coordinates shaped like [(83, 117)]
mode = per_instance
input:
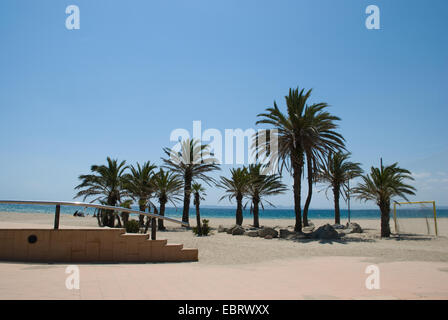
[(415, 218)]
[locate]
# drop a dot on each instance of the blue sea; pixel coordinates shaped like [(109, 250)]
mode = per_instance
[(207, 212)]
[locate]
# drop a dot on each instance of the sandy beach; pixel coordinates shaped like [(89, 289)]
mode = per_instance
[(220, 248), (411, 266)]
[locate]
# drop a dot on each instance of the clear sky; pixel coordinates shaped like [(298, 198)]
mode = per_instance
[(136, 70)]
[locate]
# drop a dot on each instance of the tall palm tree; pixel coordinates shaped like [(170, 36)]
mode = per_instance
[(105, 184), (337, 171), (167, 188), (381, 185), (138, 185), (318, 139), (193, 162), (261, 185), (236, 188), (300, 130), (199, 193)]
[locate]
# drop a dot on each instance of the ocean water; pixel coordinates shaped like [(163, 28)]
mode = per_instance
[(230, 212)]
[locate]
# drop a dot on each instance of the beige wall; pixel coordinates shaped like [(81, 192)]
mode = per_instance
[(88, 245)]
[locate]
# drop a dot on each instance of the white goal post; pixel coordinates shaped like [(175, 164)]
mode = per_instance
[(421, 203)]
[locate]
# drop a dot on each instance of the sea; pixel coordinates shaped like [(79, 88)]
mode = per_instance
[(228, 212)]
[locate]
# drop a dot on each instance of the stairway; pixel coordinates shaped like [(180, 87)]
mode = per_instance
[(89, 246)]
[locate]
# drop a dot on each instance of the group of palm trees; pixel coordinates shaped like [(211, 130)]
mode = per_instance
[(307, 138), (250, 183), (307, 133), (117, 184)]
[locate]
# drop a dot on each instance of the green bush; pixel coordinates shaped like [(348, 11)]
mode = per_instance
[(205, 228), (132, 226)]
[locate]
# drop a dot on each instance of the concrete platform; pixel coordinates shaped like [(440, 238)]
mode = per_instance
[(87, 245)]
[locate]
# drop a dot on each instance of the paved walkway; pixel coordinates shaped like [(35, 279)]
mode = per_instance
[(310, 278)]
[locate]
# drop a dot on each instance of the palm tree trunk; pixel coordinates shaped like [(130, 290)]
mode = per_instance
[(187, 192), (309, 166), (141, 218), (150, 220), (119, 221), (297, 176), (109, 217), (239, 209), (385, 216), (125, 217), (198, 214), (337, 213), (160, 225), (99, 215), (256, 213)]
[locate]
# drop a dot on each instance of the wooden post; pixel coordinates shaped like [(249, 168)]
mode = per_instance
[(56, 217), (435, 217), (153, 228)]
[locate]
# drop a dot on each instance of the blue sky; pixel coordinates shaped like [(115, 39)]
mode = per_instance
[(136, 70)]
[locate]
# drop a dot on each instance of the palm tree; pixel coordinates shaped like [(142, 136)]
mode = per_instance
[(381, 185), (261, 185), (236, 188), (318, 139), (337, 171), (199, 193), (138, 184), (192, 162), (106, 185), (167, 188), (301, 130)]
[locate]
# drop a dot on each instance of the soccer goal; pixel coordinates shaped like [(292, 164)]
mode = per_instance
[(415, 218)]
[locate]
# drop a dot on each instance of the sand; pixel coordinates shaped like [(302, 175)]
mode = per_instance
[(240, 267), (219, 248)]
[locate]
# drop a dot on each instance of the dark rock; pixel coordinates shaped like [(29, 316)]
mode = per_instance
[(355, 228), (267, 231), (268, 236), (238, 231), (338, 226), (229, 230), (251, 233), (284, 233), (325, 232)]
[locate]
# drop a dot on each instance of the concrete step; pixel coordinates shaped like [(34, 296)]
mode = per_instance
[(172, 252), (135, 236), (189, 254), (157, 243), (178, 246)]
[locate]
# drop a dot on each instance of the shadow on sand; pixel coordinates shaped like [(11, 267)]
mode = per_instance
[(342, 240)]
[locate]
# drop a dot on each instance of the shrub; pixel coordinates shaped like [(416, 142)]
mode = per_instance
[(132, 226), (205, 228)]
